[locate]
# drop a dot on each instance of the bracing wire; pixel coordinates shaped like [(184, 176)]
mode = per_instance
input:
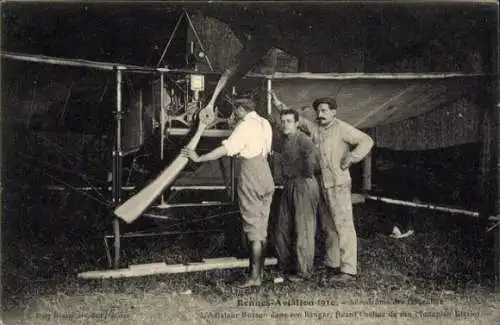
[(107, 204), (47, 166), (82, 175), (214, 216)]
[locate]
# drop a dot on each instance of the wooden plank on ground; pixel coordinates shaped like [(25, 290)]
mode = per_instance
[(145, 266), (219, 259), (162, 268)]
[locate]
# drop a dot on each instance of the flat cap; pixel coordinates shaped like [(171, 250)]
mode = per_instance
[(325, 100)]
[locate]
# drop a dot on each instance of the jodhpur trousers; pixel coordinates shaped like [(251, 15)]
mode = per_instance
[(337, 222), (296, 225), (255, 193)]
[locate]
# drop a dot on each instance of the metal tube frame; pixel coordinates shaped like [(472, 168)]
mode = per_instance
[(117, 164), (162, 123)]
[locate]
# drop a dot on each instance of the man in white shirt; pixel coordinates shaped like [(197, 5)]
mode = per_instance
[(251, 142)]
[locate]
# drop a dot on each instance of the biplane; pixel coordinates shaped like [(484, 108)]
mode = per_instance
[(156, 111)]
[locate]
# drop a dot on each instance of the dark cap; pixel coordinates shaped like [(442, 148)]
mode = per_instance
[(325, 100), (246, 101)]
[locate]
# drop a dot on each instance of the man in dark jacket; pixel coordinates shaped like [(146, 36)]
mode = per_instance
[(296, 224)]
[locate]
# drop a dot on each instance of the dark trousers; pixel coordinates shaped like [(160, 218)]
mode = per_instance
[(296, 226)]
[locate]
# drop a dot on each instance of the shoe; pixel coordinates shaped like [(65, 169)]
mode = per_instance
[(332, 270), (295, 278), (343, 277), (328, 269), (250, 283), (287, 271)]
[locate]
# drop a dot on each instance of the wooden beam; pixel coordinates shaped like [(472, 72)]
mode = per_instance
[(163, 268), (60, 61), (207, 133), (109, 66), (423, 205), (361, 75)]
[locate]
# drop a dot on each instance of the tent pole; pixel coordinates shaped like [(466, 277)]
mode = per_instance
[(367, 173), (117, 164), (233, 179), (269, 86), (162, 116), (141, 116), (162, 123)]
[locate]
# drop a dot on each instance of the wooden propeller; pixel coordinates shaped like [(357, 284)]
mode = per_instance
[(135, 206)]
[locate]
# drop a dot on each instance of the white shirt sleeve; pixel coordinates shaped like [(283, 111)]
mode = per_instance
[(237, 141)]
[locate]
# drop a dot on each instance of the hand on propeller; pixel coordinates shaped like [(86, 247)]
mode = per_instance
[(190, 154), (205, 117)]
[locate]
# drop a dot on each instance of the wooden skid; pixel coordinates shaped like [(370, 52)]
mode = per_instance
[(162, 268)]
